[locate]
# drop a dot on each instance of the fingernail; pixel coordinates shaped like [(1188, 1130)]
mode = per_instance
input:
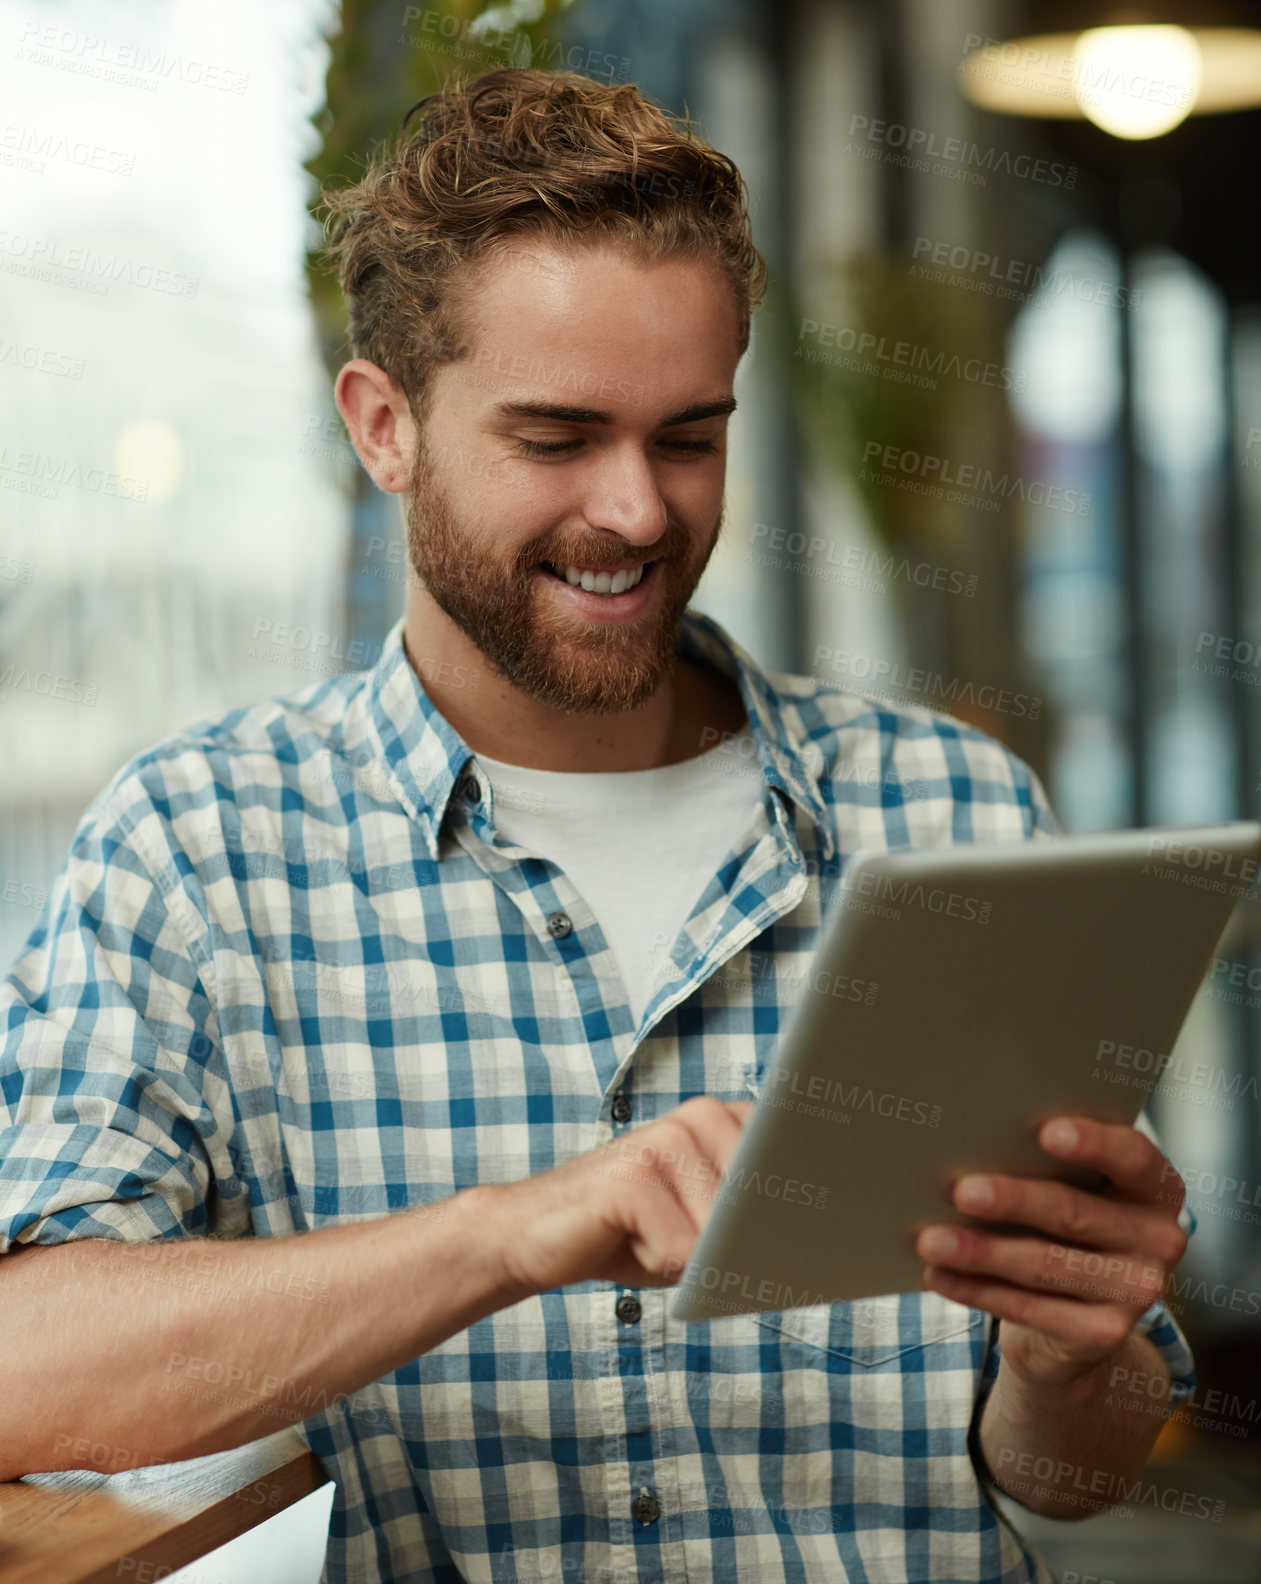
[(973, 1193), (1060, 1136), (938, 1244)]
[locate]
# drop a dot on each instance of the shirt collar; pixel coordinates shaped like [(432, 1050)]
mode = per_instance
[(426, 756)]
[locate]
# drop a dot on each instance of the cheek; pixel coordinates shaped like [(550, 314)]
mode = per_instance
[(530, 501), (697, 499), (486, 495), (702, 484)]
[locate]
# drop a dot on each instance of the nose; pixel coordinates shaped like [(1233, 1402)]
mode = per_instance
[(622, 496)]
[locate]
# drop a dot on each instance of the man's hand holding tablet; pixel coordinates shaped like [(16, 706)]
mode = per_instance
[(1070, 1293), (1068, 1301), (971, 1128)]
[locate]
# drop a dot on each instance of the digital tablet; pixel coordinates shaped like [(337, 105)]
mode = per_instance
[(1000, 985)]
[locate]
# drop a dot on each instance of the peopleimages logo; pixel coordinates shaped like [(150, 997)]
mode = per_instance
[(36, 473), (1236, 659), (856, 560), (128, 65), (475, 40), (41, 361), (921, 150), (974, 485), (876, 676), (902, 361), (728, 1284), (50, 684), (42, 258), (902, 893), (1231, 1198), (1060, 74), (1103, 1482), (1206, 868), (34, 147), (1215, 1409), (1157, 1072), (789, 1190), (1236, 982), (847, 1098), (1015, 280), (312, 643), (17, 570)]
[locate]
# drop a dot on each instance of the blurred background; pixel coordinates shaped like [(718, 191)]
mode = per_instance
[(998, 447)]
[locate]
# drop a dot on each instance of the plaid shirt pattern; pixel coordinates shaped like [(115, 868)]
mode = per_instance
[(287, 978)]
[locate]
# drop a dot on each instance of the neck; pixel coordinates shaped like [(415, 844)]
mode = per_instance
[(678, 722)]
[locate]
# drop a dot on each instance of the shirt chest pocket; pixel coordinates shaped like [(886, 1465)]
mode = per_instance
[(902, 1332)]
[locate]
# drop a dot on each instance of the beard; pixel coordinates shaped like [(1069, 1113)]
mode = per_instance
[(589, 668)]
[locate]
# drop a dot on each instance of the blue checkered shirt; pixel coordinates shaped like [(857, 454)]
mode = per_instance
[(288, 978)]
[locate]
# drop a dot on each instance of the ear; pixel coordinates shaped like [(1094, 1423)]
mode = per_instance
[(376, 413)]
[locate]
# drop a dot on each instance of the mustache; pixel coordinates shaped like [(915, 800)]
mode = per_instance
[(672, 544)]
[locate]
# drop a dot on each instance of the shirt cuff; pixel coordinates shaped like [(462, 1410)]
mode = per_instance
[(1163, 1332)]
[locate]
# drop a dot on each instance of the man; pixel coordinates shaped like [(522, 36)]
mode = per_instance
[(442, 991)]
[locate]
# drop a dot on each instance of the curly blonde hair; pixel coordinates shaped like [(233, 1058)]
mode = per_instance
[(515, 151)]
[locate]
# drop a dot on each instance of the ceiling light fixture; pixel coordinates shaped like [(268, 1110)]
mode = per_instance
[(1133, 81)]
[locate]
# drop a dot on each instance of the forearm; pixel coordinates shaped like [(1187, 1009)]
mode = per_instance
[(175, 1349), (150, 1353), (1068, 1450)]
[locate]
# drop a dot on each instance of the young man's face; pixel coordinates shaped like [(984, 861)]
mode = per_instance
[(584, 432)]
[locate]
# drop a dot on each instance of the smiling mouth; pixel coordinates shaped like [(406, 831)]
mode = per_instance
[(600, 580)]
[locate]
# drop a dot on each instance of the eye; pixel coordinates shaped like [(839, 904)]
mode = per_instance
[(546, 448), (553, 448)]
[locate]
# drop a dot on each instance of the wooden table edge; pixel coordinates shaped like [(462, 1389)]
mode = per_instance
[(115, 1531)]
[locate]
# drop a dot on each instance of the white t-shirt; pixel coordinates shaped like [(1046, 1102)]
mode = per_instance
[(639, 846)]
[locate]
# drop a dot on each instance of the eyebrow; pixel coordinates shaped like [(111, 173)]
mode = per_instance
[(596, 415)]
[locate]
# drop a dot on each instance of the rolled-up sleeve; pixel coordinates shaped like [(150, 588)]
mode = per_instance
[(1157, 1324), (107, 1049)]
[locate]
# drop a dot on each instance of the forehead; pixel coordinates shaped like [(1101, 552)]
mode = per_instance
[(600, 305)]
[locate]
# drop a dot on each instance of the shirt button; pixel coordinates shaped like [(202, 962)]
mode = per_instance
[(629, 1309), (560, 925), (471, 789), (646, 1508), (621, 1109)]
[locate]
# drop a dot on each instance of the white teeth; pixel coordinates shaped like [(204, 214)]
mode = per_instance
[(602, 582)]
